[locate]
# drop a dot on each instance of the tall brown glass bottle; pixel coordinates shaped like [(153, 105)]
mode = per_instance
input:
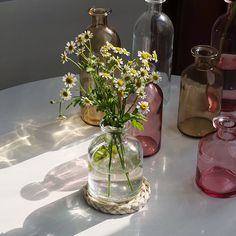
[(200, 93), (101, 33)]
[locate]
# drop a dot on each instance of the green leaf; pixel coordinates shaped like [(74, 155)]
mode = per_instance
[(137, 125)]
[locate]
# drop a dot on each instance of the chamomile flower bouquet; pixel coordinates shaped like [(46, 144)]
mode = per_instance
[(119, 92)]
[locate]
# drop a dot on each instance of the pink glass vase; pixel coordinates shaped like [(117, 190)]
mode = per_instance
[(216, 164), (150, 138)]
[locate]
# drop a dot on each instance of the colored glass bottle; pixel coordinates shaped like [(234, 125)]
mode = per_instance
[(216, 164), (101, 34), (150, 138), (200, 93), (154, 31), (223, 37)]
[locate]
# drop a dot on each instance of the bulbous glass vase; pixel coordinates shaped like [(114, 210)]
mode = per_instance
[(115, 166), (200, 93), (102, 33), (216, 164)]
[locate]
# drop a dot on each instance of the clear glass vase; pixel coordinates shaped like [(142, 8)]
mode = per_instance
[(154, 31), (115, 165), (216, 164), (223, 37), (200, 93), (102, 33), (150, 138)]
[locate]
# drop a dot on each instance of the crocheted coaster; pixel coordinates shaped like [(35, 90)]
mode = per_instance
[(127, 207)]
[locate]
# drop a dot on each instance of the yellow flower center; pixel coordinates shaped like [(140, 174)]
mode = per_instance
[(69, 80), (120, 82), (144, 106), (65, 94), (120, 93)]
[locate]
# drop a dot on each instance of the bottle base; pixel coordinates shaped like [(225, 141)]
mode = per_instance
[(149, 145), (217, 182)]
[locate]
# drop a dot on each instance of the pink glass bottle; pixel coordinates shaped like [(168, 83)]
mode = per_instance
[(216, 164), (150, 138)]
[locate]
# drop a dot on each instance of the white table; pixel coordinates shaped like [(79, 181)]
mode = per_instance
[(43, 166)]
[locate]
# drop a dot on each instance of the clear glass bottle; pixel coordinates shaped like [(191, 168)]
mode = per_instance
[(154, 31), (223, 37), (200, 93), (216, 164), (101, 33), (115, 165), (150, 138)]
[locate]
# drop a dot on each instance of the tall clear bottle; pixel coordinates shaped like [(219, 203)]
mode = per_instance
[(101, 33), (223, 37), (154, 31)]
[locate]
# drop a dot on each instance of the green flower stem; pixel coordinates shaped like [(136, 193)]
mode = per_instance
[(136, 99), (109, 169), (122, 161), (76, 64)]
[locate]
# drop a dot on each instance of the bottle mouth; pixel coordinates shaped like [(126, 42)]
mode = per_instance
[(98, 11), (204, 51), (155, 1)]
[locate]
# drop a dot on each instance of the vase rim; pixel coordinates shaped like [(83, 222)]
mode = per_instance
[(155, 1), (99, 11), (205, 51)]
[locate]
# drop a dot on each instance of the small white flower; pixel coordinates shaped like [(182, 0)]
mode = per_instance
[(120, 84), (86, 101), (121, 93), (80, 40), (66, 94), (143, 107), (64, 57), (70, 47), (105, 75), (141, 93), (156, 77), (87, 35), (144, 56), (69, 80), (143, 73), (80, 51)]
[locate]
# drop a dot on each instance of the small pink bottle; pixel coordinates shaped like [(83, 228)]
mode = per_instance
[(150, 138), (216, 164)]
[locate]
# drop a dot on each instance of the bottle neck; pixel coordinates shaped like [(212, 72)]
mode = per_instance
[(99, 20), (154, 7)]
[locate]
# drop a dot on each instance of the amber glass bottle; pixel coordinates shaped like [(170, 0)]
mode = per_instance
[(200, 93), (101, 33)]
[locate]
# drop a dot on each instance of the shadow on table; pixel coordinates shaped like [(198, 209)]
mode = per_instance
[(31, 139), (69, 176), (65, 217)]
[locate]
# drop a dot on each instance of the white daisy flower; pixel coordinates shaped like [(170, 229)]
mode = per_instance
[(143, 73), (64, 57), (120, 84), (70, 47), (86, 101), (80, 40), (141, 93), (144, 56), (80, 51), (105, 75), (87, 35), (66, 94), (69, 80), (143, 107), (121, 93), (156, 77)]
